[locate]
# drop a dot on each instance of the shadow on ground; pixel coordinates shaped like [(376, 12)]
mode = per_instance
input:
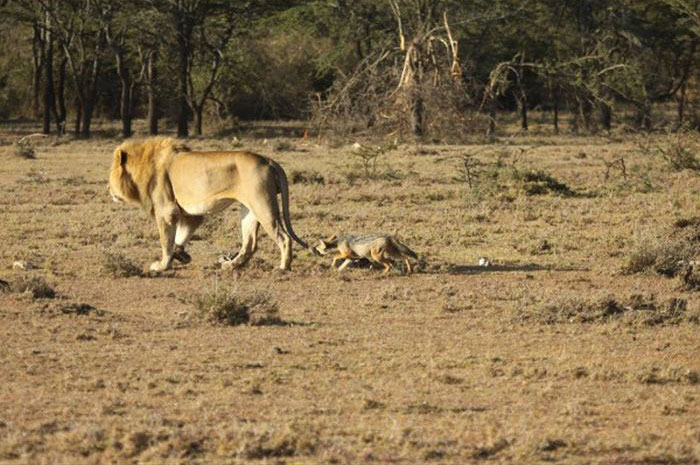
[(475, 269)]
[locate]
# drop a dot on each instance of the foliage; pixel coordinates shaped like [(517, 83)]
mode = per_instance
[(679, 149), (507, 179), (406, 68)]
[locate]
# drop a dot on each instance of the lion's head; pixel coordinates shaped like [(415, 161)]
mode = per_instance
[(136, 164)]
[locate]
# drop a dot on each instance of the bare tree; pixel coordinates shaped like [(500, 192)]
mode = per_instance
[(78, 27), (211, 40)]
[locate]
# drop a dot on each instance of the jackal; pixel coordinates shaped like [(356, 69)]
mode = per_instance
[(379, 248)]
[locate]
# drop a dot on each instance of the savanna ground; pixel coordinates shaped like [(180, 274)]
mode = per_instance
[(556, 352)]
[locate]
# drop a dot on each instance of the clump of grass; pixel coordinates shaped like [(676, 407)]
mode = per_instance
[(665, 257), (669, 255), (35, 285), (228, 307), (306, 177), (284, 146), (540, 182), (635, 310), (368, 157), (119, 266), (678, 149), (507, 180)]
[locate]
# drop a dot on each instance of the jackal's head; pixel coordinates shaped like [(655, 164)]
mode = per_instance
[(326, 246)]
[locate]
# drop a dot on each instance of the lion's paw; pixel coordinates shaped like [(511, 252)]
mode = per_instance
[(182, 256), (228, 265), (158, 266)]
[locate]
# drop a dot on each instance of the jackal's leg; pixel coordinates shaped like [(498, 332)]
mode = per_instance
[(379, 256), (409, 270), (335, 260), (345, 264)]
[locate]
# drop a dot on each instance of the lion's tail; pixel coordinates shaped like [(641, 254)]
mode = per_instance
[(283, 187)]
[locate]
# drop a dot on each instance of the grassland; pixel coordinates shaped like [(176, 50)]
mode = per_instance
[(557, 352)]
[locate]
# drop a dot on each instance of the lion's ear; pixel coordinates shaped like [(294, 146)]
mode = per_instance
[(122, 158)]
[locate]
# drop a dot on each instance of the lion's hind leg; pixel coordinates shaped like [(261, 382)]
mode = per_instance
[(267, 211), (249, 239)]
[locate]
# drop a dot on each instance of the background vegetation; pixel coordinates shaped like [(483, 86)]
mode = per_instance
[(415, 67)]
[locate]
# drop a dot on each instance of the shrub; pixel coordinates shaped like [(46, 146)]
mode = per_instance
[(678, 149), (120, 266), (670, 255), (635, 310), (666, 257), (540, 182), (306, 177), (36, 286), (226, 306)]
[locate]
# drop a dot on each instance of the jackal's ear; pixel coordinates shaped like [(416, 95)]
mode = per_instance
[(332, 238)]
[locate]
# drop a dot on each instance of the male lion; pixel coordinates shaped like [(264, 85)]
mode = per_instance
[(179, 187)]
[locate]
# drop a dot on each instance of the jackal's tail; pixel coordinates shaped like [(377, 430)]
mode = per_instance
[(404, 250)]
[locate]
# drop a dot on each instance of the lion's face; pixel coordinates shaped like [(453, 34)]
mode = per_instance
[(121, 185)]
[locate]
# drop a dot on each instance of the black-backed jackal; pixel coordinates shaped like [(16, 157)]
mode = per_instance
[(379, 248)]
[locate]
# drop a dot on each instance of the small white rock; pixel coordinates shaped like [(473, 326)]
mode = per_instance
[(484, 262), (22, 265)]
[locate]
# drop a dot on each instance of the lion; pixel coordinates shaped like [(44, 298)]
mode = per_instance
[(179, 187)]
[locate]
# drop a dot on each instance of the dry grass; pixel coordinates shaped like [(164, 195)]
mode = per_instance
[(222, 305), (556, 352), (119, 266), (34, 286)]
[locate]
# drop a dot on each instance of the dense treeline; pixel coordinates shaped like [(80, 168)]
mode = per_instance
[(420, 67)]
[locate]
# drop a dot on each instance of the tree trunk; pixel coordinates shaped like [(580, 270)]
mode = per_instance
[(199, 109), (605, 116), (92, 88), (78, 115), (643, 119), (61, 98), (682, 96), (48, 78), (521, 100), (125, 95), (38, 50), (152, 96), (586, 111), (184, 34), (125, 110), (417, 113), (556, 97), (491, 131)]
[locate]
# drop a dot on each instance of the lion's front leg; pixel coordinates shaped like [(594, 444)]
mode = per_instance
[(166, 230)]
